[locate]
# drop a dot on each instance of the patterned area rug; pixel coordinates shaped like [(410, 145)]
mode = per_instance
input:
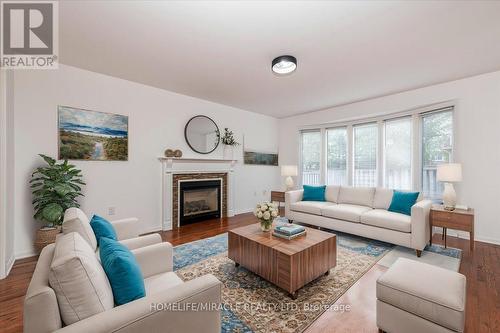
[(255, 305)]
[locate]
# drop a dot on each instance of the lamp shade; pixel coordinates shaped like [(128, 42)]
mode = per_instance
[(451, 172), (289, 170)]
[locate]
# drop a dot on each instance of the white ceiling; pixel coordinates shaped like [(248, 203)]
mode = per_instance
[(222, 51)]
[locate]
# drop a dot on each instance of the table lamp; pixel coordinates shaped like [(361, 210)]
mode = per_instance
[(289, 171), (449, 173)]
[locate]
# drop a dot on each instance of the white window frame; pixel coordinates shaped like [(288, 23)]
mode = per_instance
[(416, 116)]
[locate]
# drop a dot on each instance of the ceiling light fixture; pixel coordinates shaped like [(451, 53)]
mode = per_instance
[(284, 64)]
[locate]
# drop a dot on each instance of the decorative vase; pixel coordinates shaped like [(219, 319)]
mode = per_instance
[(266, 225), (228, 152), (46, 236)]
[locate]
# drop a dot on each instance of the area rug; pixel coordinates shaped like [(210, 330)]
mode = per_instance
[(436, 255), (255, 305)]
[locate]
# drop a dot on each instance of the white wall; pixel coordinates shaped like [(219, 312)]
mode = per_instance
[(156, 122), (477, 137)]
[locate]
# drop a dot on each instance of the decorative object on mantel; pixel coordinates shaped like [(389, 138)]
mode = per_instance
[(289, 171), (178, 153), (173, 153), (449, 173), (266, 212), (255, 158), (169, 153), (229, 142), (202, 134), (55, 188), (92, 135)]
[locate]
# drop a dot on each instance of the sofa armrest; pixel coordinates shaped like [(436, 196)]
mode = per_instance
[(126, 228), (141, 241), (154, 259), (191, 307), (420, 230), (291, 197)]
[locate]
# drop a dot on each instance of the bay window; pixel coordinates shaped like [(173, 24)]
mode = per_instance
[(437, 148), (365, 141), (336, 155), (398, 153), (311, 157)]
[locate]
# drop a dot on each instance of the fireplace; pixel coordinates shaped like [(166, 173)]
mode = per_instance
[(199, 200)]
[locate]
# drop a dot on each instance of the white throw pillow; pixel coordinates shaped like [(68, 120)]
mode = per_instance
[(362, 196), (332, 193), (75, 220), (79, 281), (382, 198)]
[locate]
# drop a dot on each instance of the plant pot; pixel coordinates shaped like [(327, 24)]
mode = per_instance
[(46, 236), (228, 152)]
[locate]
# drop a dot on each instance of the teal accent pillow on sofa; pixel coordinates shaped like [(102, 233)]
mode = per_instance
[(123, 271), (314, 193), (402, 202), (102, 228)]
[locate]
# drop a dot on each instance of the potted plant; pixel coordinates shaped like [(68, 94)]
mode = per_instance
[(229, 142), (55, 188), (266, 212)]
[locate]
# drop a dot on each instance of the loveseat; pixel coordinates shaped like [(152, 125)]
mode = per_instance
[(363, 211)]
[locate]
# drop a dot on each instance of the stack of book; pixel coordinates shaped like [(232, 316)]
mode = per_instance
[(289, 231)]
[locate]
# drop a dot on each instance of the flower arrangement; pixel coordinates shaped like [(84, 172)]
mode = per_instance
[(266, 212), (228, 138)]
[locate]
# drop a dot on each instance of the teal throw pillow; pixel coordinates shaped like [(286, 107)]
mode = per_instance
[(102, 228), (314, 193), (123, 271), (403, 201)]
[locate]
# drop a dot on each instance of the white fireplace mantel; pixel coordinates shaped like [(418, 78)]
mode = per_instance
[(171, 166)]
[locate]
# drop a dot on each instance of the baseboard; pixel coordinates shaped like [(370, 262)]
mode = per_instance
[(465, 235), (244, 211)]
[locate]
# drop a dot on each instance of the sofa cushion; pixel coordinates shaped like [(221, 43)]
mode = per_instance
[(345, 212), (332, 193), (311, 207), (362, 196), (427, 291), (102, 228), (314, 193), (403, 201), (123, 271), (388, 220), (160, 282), (81, 286), (75, 220), (382, 198)]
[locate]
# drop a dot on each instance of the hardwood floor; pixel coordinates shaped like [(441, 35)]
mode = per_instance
[(481, 267)]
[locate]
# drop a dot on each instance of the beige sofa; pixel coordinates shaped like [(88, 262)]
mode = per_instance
[(69, 291), (127, 230), (363, 211), (83, 297)]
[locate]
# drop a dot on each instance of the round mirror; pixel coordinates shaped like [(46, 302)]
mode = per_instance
[(202, 134)]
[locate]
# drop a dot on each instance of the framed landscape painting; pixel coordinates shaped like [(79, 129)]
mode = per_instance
[(255, 158), (92, 135)]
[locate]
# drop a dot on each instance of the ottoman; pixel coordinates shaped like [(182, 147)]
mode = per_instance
[(414, 297)]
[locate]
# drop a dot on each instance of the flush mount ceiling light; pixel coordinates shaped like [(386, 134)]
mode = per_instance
[(284, 65)]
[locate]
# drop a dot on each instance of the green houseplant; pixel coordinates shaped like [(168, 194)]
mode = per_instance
[(229, 142), (55, 188)]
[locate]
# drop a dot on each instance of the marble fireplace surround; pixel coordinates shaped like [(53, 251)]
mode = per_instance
[(175, 170)]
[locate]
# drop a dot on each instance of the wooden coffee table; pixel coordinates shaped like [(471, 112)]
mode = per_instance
[(288, 264)]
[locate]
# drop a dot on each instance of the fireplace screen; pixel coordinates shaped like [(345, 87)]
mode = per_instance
[(199, 200)]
